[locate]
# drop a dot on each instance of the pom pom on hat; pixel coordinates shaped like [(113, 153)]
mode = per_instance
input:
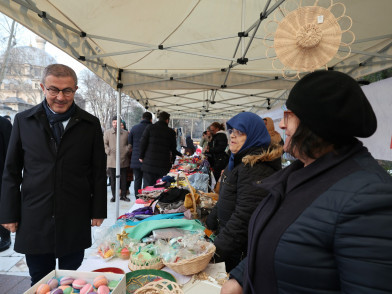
[(333, 106)]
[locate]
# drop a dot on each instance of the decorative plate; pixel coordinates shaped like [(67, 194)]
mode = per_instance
[(139, 278), (114, 270)]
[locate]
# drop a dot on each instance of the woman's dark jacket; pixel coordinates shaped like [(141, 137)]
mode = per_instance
[(217, 156), (325, 228), (134, 138), (54, 192), (190, 146), (238, 198), (158, 148)]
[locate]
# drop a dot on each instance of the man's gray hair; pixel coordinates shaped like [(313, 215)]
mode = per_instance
[(59, 70)]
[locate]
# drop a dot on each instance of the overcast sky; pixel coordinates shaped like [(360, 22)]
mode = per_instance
[(25, 37), (64, 58)]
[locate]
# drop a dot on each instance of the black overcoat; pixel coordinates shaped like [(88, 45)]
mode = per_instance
[(52, 191), (134, 139), (158, 148), (324, 228), (239, 196), (5, 133)]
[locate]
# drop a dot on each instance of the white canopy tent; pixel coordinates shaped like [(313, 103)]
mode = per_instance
[(379, 95), (196, 58)]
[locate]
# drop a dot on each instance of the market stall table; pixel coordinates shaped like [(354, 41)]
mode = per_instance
[(142, 221)]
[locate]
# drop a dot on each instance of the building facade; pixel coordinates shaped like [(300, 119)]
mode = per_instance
[(20, 85)]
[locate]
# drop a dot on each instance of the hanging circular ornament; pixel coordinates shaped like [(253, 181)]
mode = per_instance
[(307, 38)]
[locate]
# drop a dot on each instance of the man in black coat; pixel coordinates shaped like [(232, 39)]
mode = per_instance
[(157, 150), (134, 139), (5, 132), (54, 181)]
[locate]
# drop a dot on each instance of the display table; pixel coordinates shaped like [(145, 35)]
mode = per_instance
[(93, 263), (211, 277), (189, 284)]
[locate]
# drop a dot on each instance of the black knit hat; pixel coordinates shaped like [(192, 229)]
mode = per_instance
[(333, 106)]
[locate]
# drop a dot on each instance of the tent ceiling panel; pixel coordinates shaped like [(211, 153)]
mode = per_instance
[(181, 55)]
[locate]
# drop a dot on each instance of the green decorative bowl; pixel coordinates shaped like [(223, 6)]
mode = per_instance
[(139, 278)]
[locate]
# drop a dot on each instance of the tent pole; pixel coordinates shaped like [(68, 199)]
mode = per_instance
[(118, 148), (192, 128)]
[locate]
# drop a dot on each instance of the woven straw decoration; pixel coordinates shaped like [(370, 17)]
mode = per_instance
[(303, 44), (138, 264), (160, 287), (308, 38)]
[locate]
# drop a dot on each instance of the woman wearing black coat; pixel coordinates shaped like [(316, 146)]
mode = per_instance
[(190, 147), (250, 162), (216, 150), (325, 227)]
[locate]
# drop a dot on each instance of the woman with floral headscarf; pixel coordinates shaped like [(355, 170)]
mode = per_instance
[(250, 162)]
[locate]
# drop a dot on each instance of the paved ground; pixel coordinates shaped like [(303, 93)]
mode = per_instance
[(14, 274)]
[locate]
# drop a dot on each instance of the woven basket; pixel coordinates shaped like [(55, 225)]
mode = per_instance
[(160, 287), (193, 265), (138, 264)]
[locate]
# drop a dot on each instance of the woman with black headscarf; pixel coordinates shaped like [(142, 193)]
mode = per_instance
[(325, 226), (250, 162), (216, 149), (190, 147)]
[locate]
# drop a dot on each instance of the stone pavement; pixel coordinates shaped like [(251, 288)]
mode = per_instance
[(14, 273)]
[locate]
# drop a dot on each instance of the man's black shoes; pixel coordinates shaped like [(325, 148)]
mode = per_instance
[(124, 198)]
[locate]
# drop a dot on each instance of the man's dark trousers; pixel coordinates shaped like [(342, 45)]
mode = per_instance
[(149, 179), (123, 181), (42, 264), (138, 179)]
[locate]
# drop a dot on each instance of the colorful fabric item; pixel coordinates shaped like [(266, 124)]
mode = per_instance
[(146, 227), (147, 210), (131, 223)]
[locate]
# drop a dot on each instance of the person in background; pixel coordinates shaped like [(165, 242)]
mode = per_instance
[(275, 136), (124, 125), (190, 147), (53, 188), (276, 139), (5, 132), (8, 117), (326, 225), (129, 170), (134, 140), (216, 150), (252, 160), (110, 139), (180, 139), (206, 138), (157, 150)]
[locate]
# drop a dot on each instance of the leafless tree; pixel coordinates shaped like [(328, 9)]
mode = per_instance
[(99, 96), (101, 99), (10, 41), (21, 69)]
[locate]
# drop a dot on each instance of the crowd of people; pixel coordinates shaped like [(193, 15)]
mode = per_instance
[(320, 225)]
